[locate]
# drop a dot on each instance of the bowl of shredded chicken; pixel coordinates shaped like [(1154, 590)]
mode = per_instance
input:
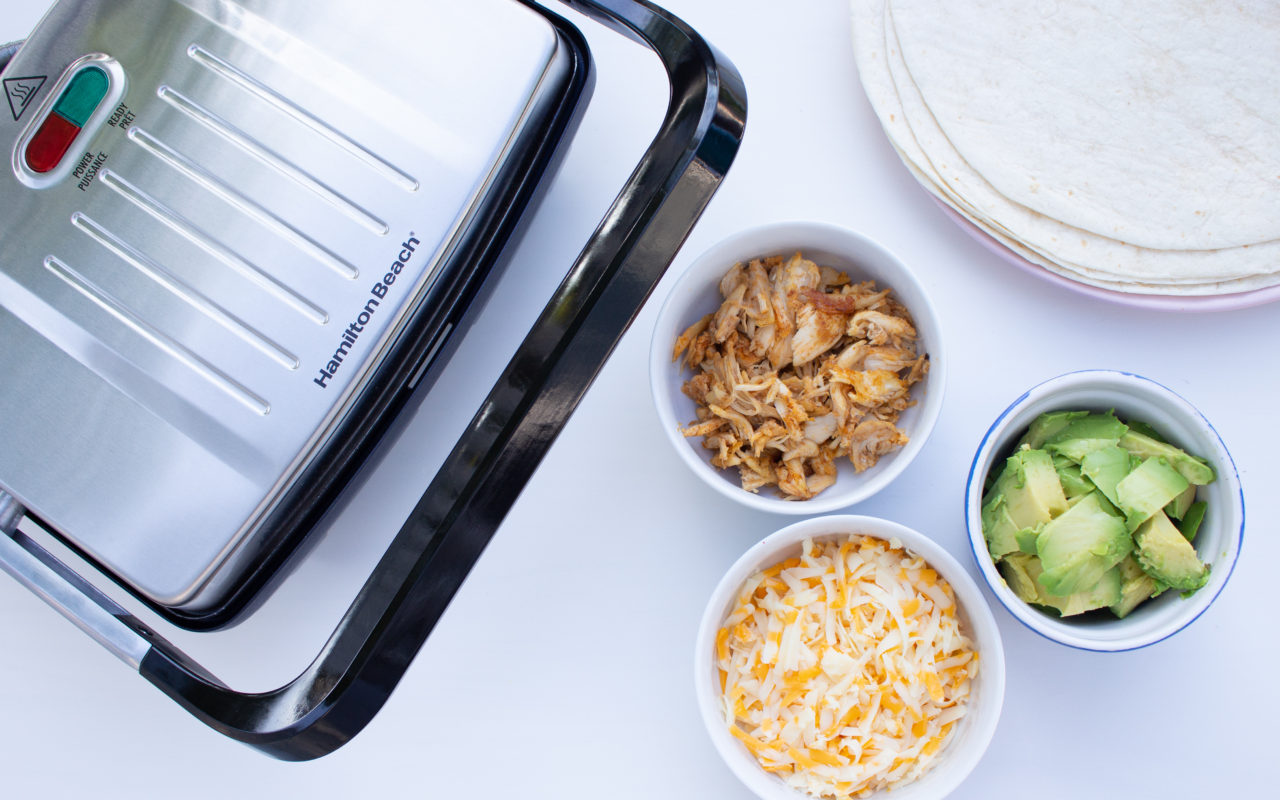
[(849, 656), (797, 367)]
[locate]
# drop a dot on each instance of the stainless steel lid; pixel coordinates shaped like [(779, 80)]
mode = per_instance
[(192, 296)]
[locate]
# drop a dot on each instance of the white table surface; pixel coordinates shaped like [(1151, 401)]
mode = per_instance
[(563, 666)]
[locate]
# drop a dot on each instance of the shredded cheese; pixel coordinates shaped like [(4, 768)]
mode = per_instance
[(845, 670)]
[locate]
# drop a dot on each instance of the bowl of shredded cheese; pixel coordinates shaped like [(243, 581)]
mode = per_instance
[(797, 367), (849, 656)]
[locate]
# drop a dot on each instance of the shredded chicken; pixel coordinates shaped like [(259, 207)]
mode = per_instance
[(799, 367)]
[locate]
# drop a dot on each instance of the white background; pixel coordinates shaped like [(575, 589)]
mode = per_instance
[(563, 667)]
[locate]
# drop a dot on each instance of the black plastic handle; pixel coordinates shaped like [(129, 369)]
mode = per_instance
[(377, 638)]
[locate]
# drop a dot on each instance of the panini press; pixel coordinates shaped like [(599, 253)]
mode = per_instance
[(235, 237)]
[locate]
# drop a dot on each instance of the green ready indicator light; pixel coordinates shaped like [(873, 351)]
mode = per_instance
[(82, 96)]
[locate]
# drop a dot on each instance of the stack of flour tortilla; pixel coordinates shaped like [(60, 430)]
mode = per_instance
[(1131, 146)]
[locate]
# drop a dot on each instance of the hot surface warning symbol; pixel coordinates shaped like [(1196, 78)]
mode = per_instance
[(20, 91)]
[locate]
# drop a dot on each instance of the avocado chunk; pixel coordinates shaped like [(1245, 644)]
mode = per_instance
[(1190, 523), (1085, 434), (1026, 539), (1073, 481), (1179, 505), (1022, 572), (1167, 556), (1146, 490), (1135, 587), (1030, 488), (1047, 425), (1106, 467), (1079, 546), (1195, 470), (998, 528), (1023, 498), (1105, 593)]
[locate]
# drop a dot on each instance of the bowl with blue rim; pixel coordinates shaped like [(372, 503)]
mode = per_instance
[(1104, 511)]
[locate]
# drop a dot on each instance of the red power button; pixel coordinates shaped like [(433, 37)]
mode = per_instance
[(50, 144)]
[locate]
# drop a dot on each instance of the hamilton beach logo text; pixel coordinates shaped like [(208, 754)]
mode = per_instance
[(362, 320)]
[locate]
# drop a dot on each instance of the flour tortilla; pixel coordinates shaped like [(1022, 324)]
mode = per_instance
[(1064, 249), (1155, 122), (1090, 255)]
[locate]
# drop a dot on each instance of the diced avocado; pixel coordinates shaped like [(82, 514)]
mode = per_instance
[(1002, 534), (1069, 475), (1195, 470), (1147, 489), (1178, 506), (1026, 538), (1077, 547), (1106, 592), (1086, 434), (1030, 487), (998, 528), (1108, 507), (1046, 425), (1022, 572), (1101, 500), (1090, 426), (1168, 557), (1077, 449), (1084, 522), (1189, 526), (1135, 587), (1105, 467)]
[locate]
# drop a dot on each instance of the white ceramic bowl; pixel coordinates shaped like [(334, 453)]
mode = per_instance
[(696, 294), (1132, 397), (968, 741)]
